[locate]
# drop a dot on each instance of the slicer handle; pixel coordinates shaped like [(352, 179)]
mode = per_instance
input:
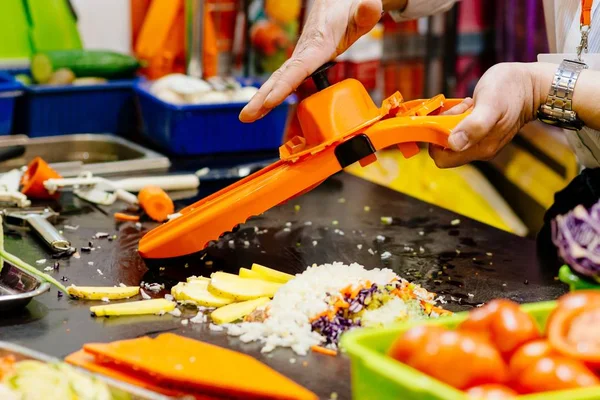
[(319, 77)]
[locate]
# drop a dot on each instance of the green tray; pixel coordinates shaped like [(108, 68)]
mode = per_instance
[(375, 376)]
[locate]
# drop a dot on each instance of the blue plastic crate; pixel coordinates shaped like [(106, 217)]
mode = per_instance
[(9, 91), (57, 110), (208, 128)]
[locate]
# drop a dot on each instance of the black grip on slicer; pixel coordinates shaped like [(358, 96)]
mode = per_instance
[(319, 77)]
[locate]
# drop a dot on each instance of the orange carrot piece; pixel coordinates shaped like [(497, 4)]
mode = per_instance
[(319, 315), (156, 203), (441, 311), (355, 292), (347, 291), (323, 350), (341, 304), (126, 217)]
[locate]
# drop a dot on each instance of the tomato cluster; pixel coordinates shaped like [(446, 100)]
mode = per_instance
[(498, 352)]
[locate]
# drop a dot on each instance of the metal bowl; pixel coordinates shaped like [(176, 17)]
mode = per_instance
[(18, 287)]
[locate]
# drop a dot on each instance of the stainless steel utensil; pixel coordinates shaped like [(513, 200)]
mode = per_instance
[(38, 219), (18, 288)]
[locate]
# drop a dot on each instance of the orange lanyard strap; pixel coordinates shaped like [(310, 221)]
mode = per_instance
[(586, 12)]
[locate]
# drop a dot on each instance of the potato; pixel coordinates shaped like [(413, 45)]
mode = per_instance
[(197, 292), (246, 273), (143, 307), (62, 76), (241, 289), (99, 293), (236, 311), (198, 278), (271, 274)]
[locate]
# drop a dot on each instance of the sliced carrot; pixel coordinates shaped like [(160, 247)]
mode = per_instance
[(126, 217), (441, 311), (341, 304), (355, 292), (324, 350), (347, 291), (319, 315), (156, 203)]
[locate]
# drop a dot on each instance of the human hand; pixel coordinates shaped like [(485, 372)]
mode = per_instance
[(332, 26), (505, 99)]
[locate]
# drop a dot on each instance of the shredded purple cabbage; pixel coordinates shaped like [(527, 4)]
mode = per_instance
[(345, 319), (577, 237)]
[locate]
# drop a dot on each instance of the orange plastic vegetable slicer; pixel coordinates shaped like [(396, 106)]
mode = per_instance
[(341, 125)]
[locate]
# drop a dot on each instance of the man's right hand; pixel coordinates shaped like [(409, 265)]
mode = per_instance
[(331, 28)]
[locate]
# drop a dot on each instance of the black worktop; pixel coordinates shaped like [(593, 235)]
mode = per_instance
[(467, 263)]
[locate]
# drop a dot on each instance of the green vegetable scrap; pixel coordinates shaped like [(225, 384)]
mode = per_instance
[(575, 282)]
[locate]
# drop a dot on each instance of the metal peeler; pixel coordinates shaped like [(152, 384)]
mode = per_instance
[(38, 219), (340, 126)]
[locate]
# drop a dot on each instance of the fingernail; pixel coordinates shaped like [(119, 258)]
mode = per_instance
[(458, 140), (241, 116)]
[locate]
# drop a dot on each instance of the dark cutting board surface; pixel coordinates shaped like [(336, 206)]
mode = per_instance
[(468, 264)]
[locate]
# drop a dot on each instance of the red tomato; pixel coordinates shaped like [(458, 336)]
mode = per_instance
[(491, 392), (579, 298), (460, 359), (528, 354), (511, 328), (574, 331), (555, 373), (412, 341), (480, 319), (504, 323)]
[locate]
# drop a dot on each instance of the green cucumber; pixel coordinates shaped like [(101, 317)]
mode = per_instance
[(84, 64)]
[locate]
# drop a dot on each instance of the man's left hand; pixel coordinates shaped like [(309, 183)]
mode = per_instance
[(502, 103)]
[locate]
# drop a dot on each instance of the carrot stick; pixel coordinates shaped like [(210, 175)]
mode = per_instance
[(323, 350), (126, 217), (156, 203)]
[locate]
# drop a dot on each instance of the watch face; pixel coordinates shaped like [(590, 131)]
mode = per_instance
[(574, 125)]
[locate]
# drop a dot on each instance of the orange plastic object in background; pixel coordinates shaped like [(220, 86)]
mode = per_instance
[(161, 41), (156, 203), (139, 9), (32, 181), (340, 125), (210, 52)]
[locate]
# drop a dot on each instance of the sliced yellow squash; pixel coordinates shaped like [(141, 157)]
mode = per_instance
[(143, 307), (241, 289), (198, 294), (236, 311), (271, 274), (249, 274), (197, 278), (99, 292)]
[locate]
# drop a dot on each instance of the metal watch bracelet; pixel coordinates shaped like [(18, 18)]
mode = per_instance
[(558, 108)]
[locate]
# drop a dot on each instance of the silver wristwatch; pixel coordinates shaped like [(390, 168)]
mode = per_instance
[(558, 109)]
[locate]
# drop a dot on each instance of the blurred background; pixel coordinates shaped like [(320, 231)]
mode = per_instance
[(246, 40)]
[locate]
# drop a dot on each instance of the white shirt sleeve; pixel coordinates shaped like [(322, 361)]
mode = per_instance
[(422, 8)]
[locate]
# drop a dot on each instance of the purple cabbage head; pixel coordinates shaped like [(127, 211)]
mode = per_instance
[(577, 237)]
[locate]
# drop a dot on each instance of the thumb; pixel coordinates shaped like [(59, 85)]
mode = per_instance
[(367, 13), (474, 127)]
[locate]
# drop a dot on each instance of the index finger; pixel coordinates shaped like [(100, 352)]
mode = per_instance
[(255, 108)]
